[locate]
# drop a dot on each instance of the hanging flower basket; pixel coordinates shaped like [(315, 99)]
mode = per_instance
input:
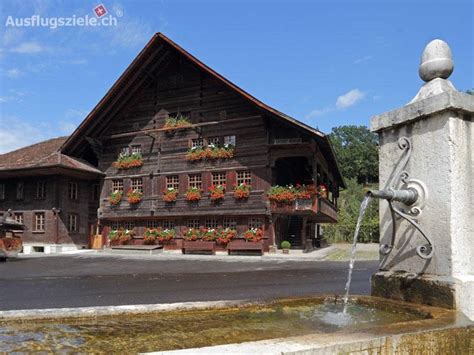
[(134, 196), (115, 198), (170, 195), (193, 194), (242, 191), (217, 192), (129, 161)]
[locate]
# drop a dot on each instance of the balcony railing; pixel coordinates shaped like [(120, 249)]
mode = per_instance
[(317, 208)]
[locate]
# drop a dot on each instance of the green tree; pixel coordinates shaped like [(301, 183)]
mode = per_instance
[(349, 206), (356, 152)]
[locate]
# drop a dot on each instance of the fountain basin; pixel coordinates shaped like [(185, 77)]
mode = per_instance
[(286, 325)]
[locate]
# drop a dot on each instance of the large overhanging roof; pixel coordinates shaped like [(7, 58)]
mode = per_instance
[(138, 68)]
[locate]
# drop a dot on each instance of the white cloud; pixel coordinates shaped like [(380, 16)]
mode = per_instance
[(319, 112), (349, 98), (363, 59), (14, 73), (28, 48), (342, 102)]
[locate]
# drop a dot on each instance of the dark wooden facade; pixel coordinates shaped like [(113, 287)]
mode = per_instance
[(163, 81)]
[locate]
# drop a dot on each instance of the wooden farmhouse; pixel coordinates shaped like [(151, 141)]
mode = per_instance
[(174, 145)]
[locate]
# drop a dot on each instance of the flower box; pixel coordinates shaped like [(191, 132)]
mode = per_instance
[(170, 195), (242, 191), (243, 245), (129, 161), (134, 196), (115, 198), (210, 152), (217, 193), (199, 245), (177, 122), (193, 194)]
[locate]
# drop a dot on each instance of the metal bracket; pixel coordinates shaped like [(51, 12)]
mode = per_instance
[(401, 182)]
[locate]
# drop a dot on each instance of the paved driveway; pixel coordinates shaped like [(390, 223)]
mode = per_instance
[(102, 280)]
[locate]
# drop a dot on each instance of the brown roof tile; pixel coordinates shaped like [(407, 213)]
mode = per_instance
[(43, 154)]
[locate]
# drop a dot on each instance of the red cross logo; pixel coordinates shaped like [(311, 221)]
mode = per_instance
[(100, 10)]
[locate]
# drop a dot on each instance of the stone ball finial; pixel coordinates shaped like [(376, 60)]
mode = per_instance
[(436, 61)]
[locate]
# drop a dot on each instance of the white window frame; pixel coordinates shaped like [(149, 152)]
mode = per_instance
[(73, 189), (72, 220), (39, 222)]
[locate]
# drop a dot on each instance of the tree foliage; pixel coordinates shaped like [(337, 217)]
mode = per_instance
[(349, 206), (356, 152)]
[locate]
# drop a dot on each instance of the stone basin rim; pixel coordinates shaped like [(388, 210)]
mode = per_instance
[(425, 312)]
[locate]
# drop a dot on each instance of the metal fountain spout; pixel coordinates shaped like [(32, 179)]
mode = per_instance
[(405, 198)]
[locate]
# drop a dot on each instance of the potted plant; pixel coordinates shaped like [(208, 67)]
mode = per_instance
[(193, 194), (115, 197), (195, 154), (303, 192), (285, 246), (170, 195), (150, 236), (323, 191), (128, 161), (242, 191), (134, 196), (217, 192)]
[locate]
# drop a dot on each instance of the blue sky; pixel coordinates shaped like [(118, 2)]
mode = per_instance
[(327, 63)]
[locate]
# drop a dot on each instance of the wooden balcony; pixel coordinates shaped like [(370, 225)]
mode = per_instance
[(317, 209)]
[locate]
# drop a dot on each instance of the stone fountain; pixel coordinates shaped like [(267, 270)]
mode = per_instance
[(427, 192)]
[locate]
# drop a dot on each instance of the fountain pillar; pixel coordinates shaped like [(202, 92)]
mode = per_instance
[(438, 126)]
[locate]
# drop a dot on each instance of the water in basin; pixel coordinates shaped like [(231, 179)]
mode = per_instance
[(196, 328)]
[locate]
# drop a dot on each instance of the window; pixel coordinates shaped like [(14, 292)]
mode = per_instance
[(229, 140), (125, 150), (115, 225), (72, 222), (128, 225), (168, 224), (244, 177), (193, 223), (195, 180), (137, 149), (18, 217), (73, 191), (214, 140), (39, 222), (218, 178), (117, 185), (197, 142), (2, 191), (172, 181), (40, 189), (95, 192), (19, 190), (211, 223), (255, 223), (152, 224), (137, 184), (229, 223)]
